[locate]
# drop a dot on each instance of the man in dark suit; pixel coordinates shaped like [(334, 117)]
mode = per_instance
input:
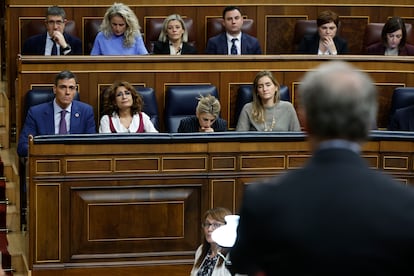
[(334, 216), (55, 41), (403, 119), (47, 118), (233, 41)]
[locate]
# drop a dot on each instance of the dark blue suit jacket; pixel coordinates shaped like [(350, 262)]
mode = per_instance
[(403, 119), (40, 120), (35, 45), (310, 45), (334, 216), (217, 45)]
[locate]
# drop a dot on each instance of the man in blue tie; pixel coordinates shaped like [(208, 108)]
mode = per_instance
[(233, 41), (63, 115), (55, 41)]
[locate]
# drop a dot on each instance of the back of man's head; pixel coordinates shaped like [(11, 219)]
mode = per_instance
[(339, 102)]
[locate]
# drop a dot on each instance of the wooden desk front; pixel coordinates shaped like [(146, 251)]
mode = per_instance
[(113, 204), (226, 73)]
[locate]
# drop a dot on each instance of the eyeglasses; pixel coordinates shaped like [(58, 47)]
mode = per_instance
[(57, 22), (214, 225), (123, 93)]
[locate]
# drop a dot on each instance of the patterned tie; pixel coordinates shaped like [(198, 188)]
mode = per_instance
[(233, 50), (54, 49), (62, 124)]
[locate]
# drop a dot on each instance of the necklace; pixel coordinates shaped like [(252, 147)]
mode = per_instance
[(272, 125)]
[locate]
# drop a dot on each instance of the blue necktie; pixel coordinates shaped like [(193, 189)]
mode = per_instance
[(62, 124), (54, 49), (233, 50)]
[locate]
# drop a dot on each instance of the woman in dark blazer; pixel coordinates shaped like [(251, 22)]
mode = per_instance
[(173, 38), (206, 119), (325, 41)]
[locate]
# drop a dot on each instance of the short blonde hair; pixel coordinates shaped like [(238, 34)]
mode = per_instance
[(208, 104)]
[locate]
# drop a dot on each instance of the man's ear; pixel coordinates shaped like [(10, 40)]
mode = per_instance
[(54, 89)]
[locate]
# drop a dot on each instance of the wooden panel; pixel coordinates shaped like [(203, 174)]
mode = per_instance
[(127, 220), (48, 238)]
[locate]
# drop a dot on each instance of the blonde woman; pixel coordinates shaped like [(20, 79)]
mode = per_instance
[(267, 112), (173, 39), (206, 119), (119, 33)]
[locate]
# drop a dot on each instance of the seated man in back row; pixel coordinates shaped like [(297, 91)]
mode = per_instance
[(233, 41), (55, 41), (63, 115)]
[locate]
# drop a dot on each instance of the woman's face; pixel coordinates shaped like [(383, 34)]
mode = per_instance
[(123, 98), (328, 29), (174, 30), (394, 39), (266, 89), (209, 226), (118, 25), (206, 120)]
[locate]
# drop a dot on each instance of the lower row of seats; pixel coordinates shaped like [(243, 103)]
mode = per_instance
[(181, 101)]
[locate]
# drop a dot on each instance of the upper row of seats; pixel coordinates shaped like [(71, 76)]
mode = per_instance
[(153, 27)]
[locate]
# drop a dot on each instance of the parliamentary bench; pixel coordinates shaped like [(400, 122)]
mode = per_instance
[(133, 203)]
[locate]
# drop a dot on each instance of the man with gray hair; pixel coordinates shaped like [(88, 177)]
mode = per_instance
[(335, 215), (55, 41)]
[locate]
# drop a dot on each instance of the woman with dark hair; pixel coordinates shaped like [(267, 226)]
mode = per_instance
[(325, 41), (173, 39), (209, 257), (123, 111), (393, 40)]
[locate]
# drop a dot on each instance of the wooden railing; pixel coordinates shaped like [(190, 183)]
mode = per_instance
[(113, 204)]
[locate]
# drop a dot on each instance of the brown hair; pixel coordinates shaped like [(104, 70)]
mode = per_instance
[(217, 214), (327, 17), (110, 95), (257, 105), (394, 24)]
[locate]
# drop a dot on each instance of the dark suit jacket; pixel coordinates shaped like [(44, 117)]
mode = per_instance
[(217, 45), (335, 216), (403, 119), (310, 45), (379, 49), (163, 48), (40, 120), (35, 45), (191, 124)]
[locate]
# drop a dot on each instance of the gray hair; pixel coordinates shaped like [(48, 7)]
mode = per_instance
[(208, 104), (132, 25), (340, 102), (164, 35)]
